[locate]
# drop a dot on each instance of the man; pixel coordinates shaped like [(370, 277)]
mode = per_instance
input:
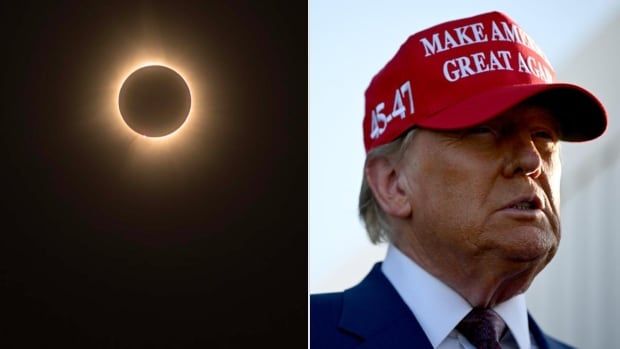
[(462, 178)]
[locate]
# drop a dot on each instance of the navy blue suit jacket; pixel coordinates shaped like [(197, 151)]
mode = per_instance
[(372, 315)]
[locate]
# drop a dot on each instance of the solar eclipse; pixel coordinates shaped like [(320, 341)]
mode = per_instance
[(140, 207), (154, 101)]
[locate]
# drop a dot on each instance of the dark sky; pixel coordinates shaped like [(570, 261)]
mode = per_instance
[(205, 248)]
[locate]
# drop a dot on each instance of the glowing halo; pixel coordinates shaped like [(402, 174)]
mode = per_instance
[(176, 146), (134, 67), (139, 154), (154, 101)]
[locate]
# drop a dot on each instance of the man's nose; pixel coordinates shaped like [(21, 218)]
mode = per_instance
[(522, 157)]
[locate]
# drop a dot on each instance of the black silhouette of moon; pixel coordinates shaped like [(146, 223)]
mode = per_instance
[(154, 101)]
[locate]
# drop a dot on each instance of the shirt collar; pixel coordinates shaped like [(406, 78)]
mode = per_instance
[(514, 314), (438, 308)]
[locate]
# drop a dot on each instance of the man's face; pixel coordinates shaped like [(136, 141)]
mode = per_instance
[(488, 194)]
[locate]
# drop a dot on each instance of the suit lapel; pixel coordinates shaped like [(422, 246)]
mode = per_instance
[(374, 311), (539, 336)]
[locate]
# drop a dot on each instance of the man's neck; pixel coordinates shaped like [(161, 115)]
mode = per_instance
[(480, 285)]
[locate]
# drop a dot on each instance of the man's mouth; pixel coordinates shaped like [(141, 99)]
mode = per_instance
[(530, 202), (525, 205)]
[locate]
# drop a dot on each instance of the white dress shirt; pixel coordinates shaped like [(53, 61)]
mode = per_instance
[(439, 309)]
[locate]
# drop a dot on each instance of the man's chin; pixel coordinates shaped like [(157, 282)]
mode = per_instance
[(528, 256), (529, 253), (527, 244)]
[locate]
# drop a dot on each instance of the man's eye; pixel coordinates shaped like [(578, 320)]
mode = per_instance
[(543, 134)]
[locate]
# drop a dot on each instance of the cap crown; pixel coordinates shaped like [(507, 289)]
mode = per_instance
[(438, 68)]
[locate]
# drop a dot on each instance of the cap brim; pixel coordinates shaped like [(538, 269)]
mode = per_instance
[(581, 115)]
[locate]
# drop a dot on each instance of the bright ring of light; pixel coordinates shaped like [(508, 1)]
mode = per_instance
[(143, 147), (154, 101)]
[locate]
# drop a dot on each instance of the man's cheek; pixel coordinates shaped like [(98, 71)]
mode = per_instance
[(555, 180)]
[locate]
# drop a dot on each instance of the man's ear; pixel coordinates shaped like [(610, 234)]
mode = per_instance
[(389, 191)]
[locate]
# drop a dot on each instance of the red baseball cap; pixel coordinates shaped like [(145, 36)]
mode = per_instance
[(464, 72)]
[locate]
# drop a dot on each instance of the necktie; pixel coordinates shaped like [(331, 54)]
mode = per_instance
[(483, 328)]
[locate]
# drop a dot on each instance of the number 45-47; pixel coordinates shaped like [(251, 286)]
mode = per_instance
[(379, 120)]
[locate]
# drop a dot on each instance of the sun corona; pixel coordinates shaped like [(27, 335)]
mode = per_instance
[(154, 101)]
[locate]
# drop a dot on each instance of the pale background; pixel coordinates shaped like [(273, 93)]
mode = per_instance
[(574, 298)]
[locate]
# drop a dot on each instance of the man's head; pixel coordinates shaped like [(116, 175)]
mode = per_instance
[(472, 194)]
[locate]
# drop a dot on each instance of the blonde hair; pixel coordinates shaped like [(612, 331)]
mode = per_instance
[(370, 212)]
